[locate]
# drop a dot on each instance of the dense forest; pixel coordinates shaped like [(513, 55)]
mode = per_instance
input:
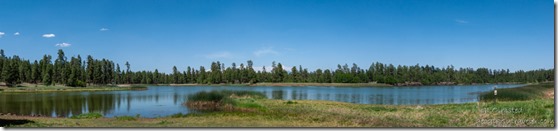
[(77, 72)]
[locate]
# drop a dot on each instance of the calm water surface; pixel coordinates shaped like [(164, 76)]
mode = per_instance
[(159, 101)]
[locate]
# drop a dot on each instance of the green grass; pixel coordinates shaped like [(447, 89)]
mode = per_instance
[(380, 108), (138, 87), (125, 118), (520, 93), (93, 115)]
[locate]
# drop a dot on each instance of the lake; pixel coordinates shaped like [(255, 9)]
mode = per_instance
[(159, 101)]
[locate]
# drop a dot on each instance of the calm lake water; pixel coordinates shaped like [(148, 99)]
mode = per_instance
[(159, 101)]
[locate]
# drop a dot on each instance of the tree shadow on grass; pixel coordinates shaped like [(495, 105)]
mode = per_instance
[(5, 122)]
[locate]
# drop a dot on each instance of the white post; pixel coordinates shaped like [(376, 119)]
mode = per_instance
[(495, 94)]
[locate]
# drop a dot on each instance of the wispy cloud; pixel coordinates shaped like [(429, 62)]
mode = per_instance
[(103, 29), (2, 34), (63, 44), (461, 21), (265, 51), (48, 35), (219, 55), (17, 33)]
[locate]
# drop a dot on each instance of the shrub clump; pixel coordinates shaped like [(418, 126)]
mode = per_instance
[(219, 100), (76, 83), (125, 118), (93, 115), (178, 115), (291, 102)]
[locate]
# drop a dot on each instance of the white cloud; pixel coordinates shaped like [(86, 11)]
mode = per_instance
[(49, 35), (63, 44), (461, 21), (265, 51), (219, 55), (17, 33), (103, 29), (2, 34)]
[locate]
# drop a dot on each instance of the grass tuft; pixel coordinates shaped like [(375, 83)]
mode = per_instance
[(93, 115), (125, 118), (164, 122), (178, 115), (291, 102)]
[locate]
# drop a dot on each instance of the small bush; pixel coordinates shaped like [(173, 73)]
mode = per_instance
[(178, 115), (77, 83), (93, 115), (125, 118), (164, 122), (291, 102)]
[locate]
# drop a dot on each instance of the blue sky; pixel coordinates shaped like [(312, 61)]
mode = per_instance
[(158, 34)]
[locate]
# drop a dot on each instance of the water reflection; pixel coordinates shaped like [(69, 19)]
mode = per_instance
[(56, 104), (390, 96), (164, 101)]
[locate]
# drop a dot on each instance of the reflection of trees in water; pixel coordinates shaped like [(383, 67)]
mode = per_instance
[(56, 104), (69, 103), (277, 94), (73, 103), (389, 98)]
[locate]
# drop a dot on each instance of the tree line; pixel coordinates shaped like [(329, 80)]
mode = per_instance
[(77, 72)]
